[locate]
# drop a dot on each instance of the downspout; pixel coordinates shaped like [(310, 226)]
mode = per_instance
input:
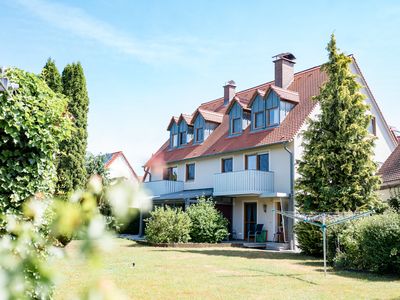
[(291, 207)]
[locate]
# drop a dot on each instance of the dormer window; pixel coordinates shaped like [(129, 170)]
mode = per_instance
[(236, 125), (174, 130), (236, 119), (272, 109), (258, 113), (185, 130), (199, 134), (182, 138), (174, 140)]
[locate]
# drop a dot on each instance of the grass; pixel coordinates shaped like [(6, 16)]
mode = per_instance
[(221, 273)]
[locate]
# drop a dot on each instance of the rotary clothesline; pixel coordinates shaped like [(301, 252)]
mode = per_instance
[(324, 220)]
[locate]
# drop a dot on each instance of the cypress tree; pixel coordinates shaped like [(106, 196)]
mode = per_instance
[(71, 171), (51, 76), (337, 171)]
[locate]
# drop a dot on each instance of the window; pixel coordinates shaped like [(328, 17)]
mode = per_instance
[(199, 135), (251, 162), (257, 162), (227, 165), (272, 116), (174, 140), (190, 170), (236, 125), (372, 126), (171, 173), (263, 162), (182, 138), (259, 119)]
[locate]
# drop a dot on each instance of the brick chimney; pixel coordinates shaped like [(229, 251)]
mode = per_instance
[(229, 91), (284, 69)]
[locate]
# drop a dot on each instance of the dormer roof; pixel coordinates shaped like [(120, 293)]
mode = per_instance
[(172, 121), (285, 94), (186, 117), (238, 100), (209, 116)]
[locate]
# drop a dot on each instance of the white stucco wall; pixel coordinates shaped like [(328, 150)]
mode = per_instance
[(205, 168), (267, 218), (119, 168)]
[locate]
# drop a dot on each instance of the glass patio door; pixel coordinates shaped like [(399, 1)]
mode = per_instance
[(250, 217)]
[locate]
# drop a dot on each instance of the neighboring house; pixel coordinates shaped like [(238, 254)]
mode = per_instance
[(241, 149), (390, 173), (120, 168)]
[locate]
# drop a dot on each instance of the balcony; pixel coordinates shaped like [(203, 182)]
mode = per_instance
[(248, 182), (162, 187)]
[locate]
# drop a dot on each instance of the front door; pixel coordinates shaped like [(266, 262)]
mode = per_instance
[(250, 217)]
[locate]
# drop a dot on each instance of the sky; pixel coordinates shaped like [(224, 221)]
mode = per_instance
[(146, 61)]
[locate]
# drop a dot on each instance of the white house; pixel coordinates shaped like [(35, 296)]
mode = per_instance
[(119, 168), (241, 149)]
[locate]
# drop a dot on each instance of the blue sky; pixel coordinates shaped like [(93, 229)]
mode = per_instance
[(148, 60)]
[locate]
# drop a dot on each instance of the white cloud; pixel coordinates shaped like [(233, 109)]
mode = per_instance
[(80, 23)]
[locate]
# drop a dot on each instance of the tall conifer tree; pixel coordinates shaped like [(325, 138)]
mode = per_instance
[(51, 76), (337, 171), (72, 172)]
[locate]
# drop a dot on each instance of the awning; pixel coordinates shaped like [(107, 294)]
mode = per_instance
[(188, 194)]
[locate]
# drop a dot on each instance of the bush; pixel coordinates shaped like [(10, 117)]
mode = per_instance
[(208, 224), (372, 244), (33, 123), (168, 225), (394, 202), (309, 238)]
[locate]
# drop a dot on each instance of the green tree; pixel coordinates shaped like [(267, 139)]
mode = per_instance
[(33, 122), (95, 166), (51, 76), (71, 171), (337, 171)]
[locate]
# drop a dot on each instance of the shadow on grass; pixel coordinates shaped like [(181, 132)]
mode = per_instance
[(297, 258), (360, 275), (135, 245), (272, 274), (249, 254)]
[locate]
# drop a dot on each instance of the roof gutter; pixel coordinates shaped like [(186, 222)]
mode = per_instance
[(227, 152)]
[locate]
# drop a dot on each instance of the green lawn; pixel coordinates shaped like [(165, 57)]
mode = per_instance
[(222, 273)]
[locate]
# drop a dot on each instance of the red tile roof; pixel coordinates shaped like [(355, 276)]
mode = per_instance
[(209, 116), (305, 85), (286, 94), (187, 118), (390, 170)]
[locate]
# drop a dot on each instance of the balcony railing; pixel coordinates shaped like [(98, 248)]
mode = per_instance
[(162, 187), (246, 182)]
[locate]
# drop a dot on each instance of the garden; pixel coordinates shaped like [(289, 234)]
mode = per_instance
[(60, 212)]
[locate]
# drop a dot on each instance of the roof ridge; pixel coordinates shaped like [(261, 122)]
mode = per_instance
[(266, 83)]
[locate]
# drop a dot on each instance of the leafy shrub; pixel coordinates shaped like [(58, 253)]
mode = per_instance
[(33, 123), (309, 238), (208, 224), (372, 244), (394, 202), (168, 225)]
